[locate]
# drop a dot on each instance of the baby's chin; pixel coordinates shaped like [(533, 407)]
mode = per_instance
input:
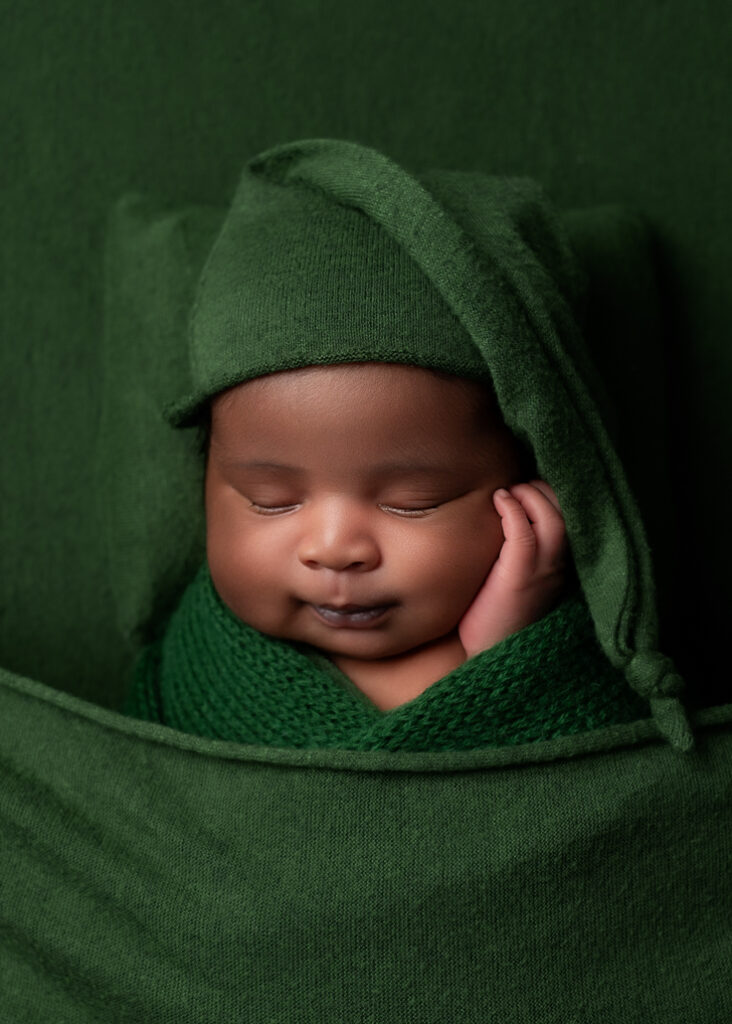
[(375, 649), (357, 647)]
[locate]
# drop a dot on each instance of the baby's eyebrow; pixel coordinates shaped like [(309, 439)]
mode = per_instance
[(405, 468), (239, 464), (381, 469)]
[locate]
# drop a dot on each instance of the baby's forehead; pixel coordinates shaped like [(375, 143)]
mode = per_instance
[(363, 387), (372, 415)]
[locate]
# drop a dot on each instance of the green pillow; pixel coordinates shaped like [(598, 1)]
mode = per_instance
[(149, 476)]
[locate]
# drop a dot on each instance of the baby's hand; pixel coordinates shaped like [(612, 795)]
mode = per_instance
[(529, 575)]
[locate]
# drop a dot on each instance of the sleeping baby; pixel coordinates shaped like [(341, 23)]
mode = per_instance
[(364, 509), (385, 566)]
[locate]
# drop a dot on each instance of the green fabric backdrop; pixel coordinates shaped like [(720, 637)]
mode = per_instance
[(602, 103)]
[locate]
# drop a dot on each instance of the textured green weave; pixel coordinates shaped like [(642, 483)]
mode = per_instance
[(213, 675)]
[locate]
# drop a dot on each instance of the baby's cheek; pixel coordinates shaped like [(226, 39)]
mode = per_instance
[(479, 545), (455, 560), (238, 569)]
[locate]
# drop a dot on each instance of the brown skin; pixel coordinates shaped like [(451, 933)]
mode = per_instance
[(341, 530)]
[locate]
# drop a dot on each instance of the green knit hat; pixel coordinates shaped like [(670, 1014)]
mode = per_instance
[(326, 256), (333, 253)]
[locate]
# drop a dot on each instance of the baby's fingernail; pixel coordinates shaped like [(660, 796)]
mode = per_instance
[(502, 493)]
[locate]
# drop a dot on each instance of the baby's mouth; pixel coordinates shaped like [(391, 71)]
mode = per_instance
[(351, 615), (349, 608)]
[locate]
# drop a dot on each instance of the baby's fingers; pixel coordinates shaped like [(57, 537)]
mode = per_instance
[(516, 562), (546, 490), (541, 506)]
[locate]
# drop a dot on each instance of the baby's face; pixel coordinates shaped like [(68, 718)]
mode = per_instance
[(359, 484)]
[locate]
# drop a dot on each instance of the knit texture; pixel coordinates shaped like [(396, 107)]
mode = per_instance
[(213, 675)]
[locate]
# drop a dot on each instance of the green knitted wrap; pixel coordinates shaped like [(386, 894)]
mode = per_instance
[(213, 675)]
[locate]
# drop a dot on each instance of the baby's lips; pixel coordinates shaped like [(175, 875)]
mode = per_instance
[(352, 607)]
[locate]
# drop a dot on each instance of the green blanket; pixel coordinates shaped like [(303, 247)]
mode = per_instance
[(151, 876), (561, 856)]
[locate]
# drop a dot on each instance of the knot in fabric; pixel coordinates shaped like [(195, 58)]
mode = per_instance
[(652, 674)]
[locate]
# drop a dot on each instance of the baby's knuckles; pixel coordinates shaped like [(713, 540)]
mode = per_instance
[(519, 598)]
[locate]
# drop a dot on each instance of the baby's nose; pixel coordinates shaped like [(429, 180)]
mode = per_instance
[(338, 541)]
